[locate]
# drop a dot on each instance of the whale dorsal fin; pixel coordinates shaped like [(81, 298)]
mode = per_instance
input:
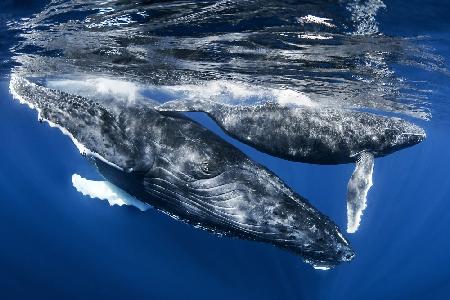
[(357, 189)]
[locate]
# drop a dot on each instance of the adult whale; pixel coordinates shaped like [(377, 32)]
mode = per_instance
[(315, 135), (186, 171)]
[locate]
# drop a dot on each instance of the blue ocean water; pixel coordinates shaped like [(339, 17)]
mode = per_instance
[(58, 244)]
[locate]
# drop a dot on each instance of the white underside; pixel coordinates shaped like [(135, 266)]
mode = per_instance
[(105, 190), (357, 190)]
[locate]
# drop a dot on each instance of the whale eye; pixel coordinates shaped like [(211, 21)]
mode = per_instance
[(390, 133), (209, 168), (206, 167)]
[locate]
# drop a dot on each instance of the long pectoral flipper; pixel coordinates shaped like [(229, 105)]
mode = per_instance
[(357, 189), (104, 190)]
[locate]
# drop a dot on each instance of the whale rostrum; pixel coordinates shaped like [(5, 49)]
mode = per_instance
[(183, 169), (316, 135)]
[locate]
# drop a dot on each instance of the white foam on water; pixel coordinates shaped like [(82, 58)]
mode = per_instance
[(316, 20), (232, 92), (221, 91), (364, 15), (315, 37), (91, 87), (322, 268), (105, 190), (286, 97)]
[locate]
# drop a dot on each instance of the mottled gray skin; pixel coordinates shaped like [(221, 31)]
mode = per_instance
[(183, 169), (310, 135)]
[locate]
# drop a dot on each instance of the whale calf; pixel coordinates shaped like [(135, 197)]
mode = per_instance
[(181, 168), (314, 135)]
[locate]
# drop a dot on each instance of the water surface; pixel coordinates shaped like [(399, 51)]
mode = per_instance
[(390, 58)]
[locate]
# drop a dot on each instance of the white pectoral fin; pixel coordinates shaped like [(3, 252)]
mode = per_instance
[(357, 189), (104, 190)]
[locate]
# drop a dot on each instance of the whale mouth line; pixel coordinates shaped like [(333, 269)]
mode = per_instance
[(420, 136), (348, 256), (411, 138)]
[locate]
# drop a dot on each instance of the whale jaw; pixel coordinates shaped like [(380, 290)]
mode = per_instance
[(238, 204)]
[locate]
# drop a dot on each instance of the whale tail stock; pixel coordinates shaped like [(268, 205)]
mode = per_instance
[(357, 189)]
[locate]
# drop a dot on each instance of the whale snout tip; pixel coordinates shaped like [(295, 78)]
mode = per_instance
[(410, 135), (348, 254), (416, 136), (345, 252), (421, 135)]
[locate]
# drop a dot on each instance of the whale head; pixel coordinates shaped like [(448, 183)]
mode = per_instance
[(341, 250), (263, 208), (222, 191), (394, 134), (405, 134)]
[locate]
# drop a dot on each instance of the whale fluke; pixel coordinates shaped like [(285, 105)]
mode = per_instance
[(357, 189)]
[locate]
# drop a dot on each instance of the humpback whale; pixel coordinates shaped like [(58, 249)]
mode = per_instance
[(181, 168), (314, 135)]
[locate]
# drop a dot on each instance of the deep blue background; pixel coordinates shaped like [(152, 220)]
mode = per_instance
[(57, 244)]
